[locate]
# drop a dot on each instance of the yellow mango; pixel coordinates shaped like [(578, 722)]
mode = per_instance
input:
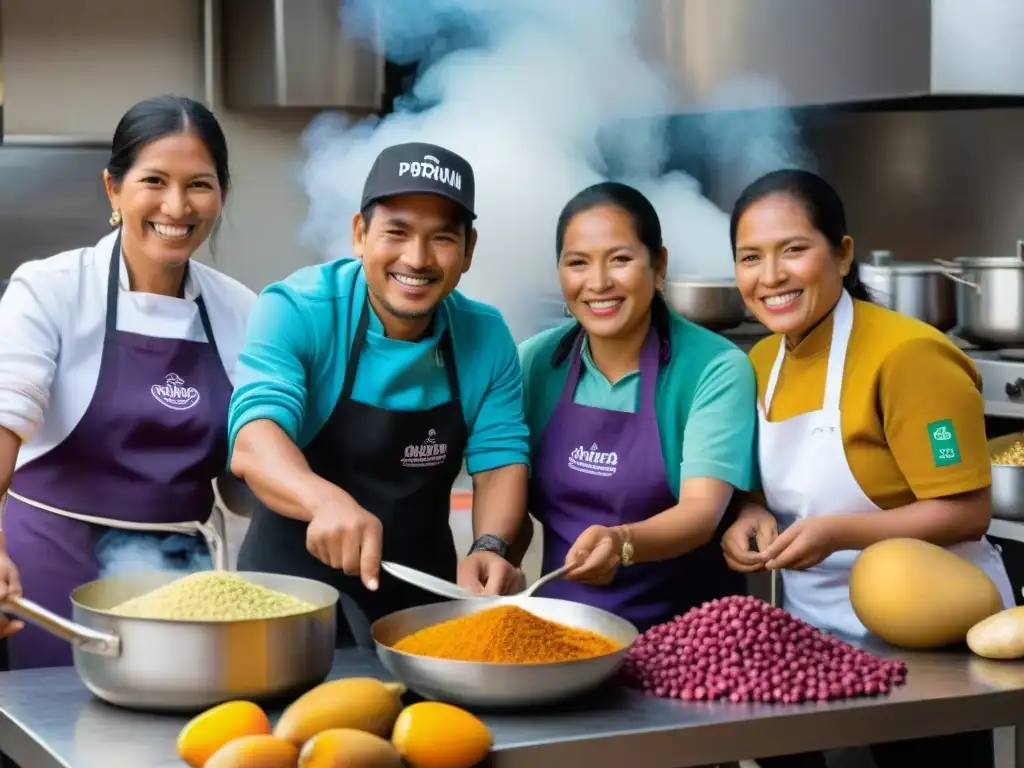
[(432, 734), (204, 734), (348, 748), (262, 751), (360, 703), (913, 594)]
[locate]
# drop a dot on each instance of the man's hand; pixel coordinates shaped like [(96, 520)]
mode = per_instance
[(594, 556), (753, 523), (487, 573), (10, 586), (803, 545), (344, 535)]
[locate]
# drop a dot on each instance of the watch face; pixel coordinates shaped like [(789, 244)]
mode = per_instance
[(627, 553)]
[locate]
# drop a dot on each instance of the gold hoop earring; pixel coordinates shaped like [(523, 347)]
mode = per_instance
[(115, 218)]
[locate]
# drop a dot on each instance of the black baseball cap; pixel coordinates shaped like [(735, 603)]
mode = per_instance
[(417, 168)]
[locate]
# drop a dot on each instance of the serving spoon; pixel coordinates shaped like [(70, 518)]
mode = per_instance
[(555, 574), (447, 589), (426, 582)]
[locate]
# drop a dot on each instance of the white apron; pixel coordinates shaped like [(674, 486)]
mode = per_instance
[(804, 472)]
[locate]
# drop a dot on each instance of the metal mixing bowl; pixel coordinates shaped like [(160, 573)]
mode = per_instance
[(477, 684)]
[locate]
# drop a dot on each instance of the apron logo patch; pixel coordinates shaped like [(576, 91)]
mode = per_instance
[(174, 394), (429, 453), (593, 461), (945, 450), (431, 168)]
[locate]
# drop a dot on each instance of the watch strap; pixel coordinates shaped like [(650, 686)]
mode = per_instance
[(490, 543)]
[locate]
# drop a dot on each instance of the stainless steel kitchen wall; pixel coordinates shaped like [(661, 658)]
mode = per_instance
[(51, 199), (928, 184), (925, 184)]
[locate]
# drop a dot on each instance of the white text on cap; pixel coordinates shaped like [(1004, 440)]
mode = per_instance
[(431, 168)]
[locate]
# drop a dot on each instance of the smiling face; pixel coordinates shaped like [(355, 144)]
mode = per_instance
[(170, 200), (414, 251), (788, 273), (608, 278)]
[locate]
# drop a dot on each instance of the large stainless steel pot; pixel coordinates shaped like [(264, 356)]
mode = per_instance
[(1007, 481), (183, 666), (713, 303), (474, 684), (917, 289), (990, 298)]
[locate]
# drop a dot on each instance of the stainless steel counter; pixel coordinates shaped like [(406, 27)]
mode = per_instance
[(48, 720)]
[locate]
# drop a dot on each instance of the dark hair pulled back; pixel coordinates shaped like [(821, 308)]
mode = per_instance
[(647, 227), (819, 199), (155, 118)]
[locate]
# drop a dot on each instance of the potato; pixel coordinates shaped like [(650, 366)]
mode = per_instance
[(1000, 636), (913, 594)]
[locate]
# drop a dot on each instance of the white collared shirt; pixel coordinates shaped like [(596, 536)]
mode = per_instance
[(52, 319)]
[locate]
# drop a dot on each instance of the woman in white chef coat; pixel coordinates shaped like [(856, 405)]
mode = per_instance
[(871, 427), (116, 366)]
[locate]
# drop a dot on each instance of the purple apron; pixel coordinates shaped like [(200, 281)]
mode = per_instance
[(601, 467), (143, 455)]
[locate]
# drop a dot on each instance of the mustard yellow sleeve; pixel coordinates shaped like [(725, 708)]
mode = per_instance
[(934, 418)]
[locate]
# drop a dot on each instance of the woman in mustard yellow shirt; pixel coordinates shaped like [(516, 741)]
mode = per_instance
[(871, 426)]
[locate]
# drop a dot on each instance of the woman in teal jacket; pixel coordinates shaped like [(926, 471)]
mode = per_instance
[(641, 423)]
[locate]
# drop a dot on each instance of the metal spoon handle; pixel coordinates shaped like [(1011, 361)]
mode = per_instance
[(555, 574), (425, 581)]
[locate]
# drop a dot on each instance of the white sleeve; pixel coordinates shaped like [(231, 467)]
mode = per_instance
[(29, 346)]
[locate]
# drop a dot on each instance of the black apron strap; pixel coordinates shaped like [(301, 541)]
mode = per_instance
[(113, 290), (358, 342), (204, 318), (448, 353)]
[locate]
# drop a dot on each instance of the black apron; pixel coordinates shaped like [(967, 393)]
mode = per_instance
[(397, 465)]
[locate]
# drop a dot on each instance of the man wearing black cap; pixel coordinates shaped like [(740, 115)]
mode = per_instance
[(363, 385)]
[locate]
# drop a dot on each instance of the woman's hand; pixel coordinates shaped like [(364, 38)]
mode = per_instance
[(754, 522), (10, 586), (803, 545), (594, 557)]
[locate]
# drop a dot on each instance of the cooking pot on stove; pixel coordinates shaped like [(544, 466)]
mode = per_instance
[(989, 298), (917, 289), (715, 304)]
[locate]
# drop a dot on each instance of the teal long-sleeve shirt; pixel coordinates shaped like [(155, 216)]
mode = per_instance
[(292, 365)]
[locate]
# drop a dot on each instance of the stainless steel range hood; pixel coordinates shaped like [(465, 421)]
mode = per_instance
[(835, 51), (295, 53)]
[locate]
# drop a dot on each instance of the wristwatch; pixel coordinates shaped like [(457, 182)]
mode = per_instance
[(490, 543), (626, 552)]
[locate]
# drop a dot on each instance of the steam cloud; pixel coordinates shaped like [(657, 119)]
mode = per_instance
[(536, 95), (120, 552)]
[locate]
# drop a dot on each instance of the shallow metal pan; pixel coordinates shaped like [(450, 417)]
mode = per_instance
[(168, 665), (476, 684)]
